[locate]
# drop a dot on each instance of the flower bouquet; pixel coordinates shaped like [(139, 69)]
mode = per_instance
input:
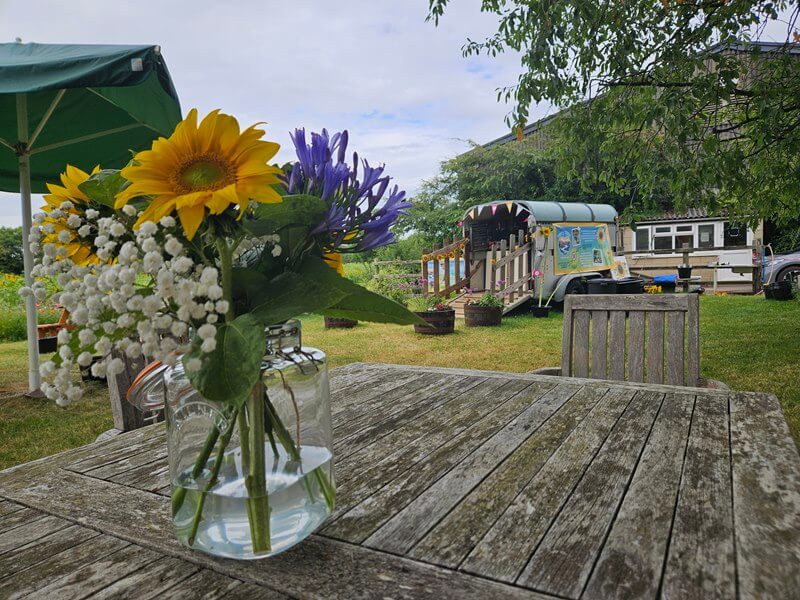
[(198, 255)]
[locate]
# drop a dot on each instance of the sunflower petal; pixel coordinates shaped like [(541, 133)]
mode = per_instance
[(191, 217)]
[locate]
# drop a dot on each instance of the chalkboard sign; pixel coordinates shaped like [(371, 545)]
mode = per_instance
[(479, 235)]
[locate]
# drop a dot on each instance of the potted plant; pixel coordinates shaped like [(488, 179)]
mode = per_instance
[(440, 319), (486, 312)]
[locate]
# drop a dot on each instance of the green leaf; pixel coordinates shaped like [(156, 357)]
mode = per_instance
[(103, 186), (295, 211), (283, 297), (358, 303), (229, 372)]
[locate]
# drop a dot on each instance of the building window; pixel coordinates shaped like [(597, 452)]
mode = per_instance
[(735, 235), (705, 236), (684, 241), (662, 242), (643, 238)]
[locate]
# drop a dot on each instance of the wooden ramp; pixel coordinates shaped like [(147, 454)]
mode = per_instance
[(459, 302)]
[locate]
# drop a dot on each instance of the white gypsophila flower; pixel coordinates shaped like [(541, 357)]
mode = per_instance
[(182, 264), (103, 346), (38, 218), (99, 368), (198, 312), (64, 352), (147, 229), (134, 350), (25, 291), (118, 229), (73, 221), (209, 276), (91, 214), (178, 328), (64, 236), (214, 292), (84, 359), (212, 318), (129, 209), (63, 336), (206, 331), (84, 231), (208, 345), (149, 245), (167, 222), (46, 369), (100, 240), (276, 250), (192, 365), (173, 246), (86, 337), (222, 306), (115, 367), (40, 293)]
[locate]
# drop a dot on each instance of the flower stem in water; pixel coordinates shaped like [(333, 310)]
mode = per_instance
[(224, 439), (258, 510)]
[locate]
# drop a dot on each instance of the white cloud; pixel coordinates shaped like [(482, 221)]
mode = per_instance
[(375, 67)]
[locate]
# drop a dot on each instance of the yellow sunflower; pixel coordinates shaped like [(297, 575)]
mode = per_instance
[(211, 166), (79, 251)]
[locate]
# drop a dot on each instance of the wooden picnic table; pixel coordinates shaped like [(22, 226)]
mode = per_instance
[(452, 484)]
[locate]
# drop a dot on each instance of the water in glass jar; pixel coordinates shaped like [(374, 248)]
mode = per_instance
[(296, 501)]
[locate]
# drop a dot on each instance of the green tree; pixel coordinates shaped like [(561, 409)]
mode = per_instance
[(664, 93), (11, 250)]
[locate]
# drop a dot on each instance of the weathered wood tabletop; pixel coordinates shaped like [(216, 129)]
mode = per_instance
[(452, 484)]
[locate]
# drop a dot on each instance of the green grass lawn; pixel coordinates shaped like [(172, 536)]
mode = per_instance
[(747, 342)]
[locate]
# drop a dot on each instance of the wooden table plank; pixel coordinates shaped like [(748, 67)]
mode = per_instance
[(363, 473), (562, 563), (29, 532), (766, 496), (55, 567), (378, 422), (701, 559), (359, 523), (632, 559), (150, 581), (414, 521), (488, 482), (505, 549), (456, 535), (204, 585)]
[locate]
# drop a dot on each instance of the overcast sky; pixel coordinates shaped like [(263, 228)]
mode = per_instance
[(374, 67)]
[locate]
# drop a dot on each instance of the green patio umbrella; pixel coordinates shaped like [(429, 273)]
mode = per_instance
[(78, 104)]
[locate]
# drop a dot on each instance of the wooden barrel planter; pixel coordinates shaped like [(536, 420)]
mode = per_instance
[(440, 322), (482, 316), (339, 323)]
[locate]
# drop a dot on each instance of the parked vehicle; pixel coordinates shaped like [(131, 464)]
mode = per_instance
[(782, 267)]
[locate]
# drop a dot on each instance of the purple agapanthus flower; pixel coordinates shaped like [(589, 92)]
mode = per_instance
[(360, 212)]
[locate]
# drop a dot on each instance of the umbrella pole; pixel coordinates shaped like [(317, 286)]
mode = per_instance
[(34, 380)]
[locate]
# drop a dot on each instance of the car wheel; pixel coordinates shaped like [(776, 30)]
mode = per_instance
[(576, 286), (789, 274)]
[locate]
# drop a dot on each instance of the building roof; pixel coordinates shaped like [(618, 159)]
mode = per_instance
[(690, 214)]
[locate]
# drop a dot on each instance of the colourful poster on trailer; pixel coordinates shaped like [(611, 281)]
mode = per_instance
[(582, 247)]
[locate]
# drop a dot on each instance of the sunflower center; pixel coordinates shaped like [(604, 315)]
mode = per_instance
[(205, 172)]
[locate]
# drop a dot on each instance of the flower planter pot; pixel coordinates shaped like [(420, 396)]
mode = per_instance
[(482, 316), (439, 322), (684, 272), (339, 323), (540, 311)]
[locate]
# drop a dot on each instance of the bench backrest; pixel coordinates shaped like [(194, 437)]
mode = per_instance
[(636, 337)]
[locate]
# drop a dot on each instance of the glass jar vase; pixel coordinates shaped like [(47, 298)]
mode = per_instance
[(249, 480)]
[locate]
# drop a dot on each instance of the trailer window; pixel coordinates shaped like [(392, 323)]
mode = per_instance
[(735, 235)]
